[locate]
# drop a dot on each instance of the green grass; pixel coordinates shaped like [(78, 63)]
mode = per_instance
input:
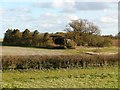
[(107, 49), (80, 50), (62, 78)]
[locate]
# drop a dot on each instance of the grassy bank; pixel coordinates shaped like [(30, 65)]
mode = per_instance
[(62, 78)]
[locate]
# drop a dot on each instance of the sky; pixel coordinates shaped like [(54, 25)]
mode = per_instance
[(53, 15)]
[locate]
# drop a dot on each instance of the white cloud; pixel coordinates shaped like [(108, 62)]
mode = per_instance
[(24, 9), (2, 11), (49, 22), (108, 24), (20, 1), (35, 1), (63, 3), (57, 3), (71, 6), (19, 10), (107, 19), (47, 25), (52, 22), (67, 6), (72, 17), (15, 10), (48, 14), (11, 15)]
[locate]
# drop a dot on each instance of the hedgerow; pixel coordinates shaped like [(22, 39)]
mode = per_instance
[(56, 62)]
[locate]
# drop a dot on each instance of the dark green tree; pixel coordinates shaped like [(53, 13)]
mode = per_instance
[(16, 37), (27, 38), (48, 42), (35, 38), (8, 36), (46, 36)]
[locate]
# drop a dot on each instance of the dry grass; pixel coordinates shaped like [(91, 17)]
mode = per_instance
[(12, 50), (8, 50)]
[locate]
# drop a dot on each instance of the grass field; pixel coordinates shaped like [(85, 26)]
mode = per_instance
[(98, 77), (62, 78), (10, 50)]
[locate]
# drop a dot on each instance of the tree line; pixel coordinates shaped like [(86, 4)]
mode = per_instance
[(79, 33), (25, 38)]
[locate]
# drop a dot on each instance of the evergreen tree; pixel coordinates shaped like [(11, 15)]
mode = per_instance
[(26, 38), (8, 36), (35, 38), (16, 37)]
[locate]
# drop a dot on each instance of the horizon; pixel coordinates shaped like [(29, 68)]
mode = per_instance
[(52, 16)]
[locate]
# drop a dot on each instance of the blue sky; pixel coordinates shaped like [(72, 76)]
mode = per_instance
[(54, 15)]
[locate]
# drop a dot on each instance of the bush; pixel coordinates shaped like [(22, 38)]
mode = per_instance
[(71, 44), (61, 61), (107, 42)]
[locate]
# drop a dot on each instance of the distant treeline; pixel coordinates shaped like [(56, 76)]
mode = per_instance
[(78, 33)]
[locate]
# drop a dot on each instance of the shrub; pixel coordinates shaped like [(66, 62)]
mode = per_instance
[(71, 44), (107, 42), (61, 61)]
